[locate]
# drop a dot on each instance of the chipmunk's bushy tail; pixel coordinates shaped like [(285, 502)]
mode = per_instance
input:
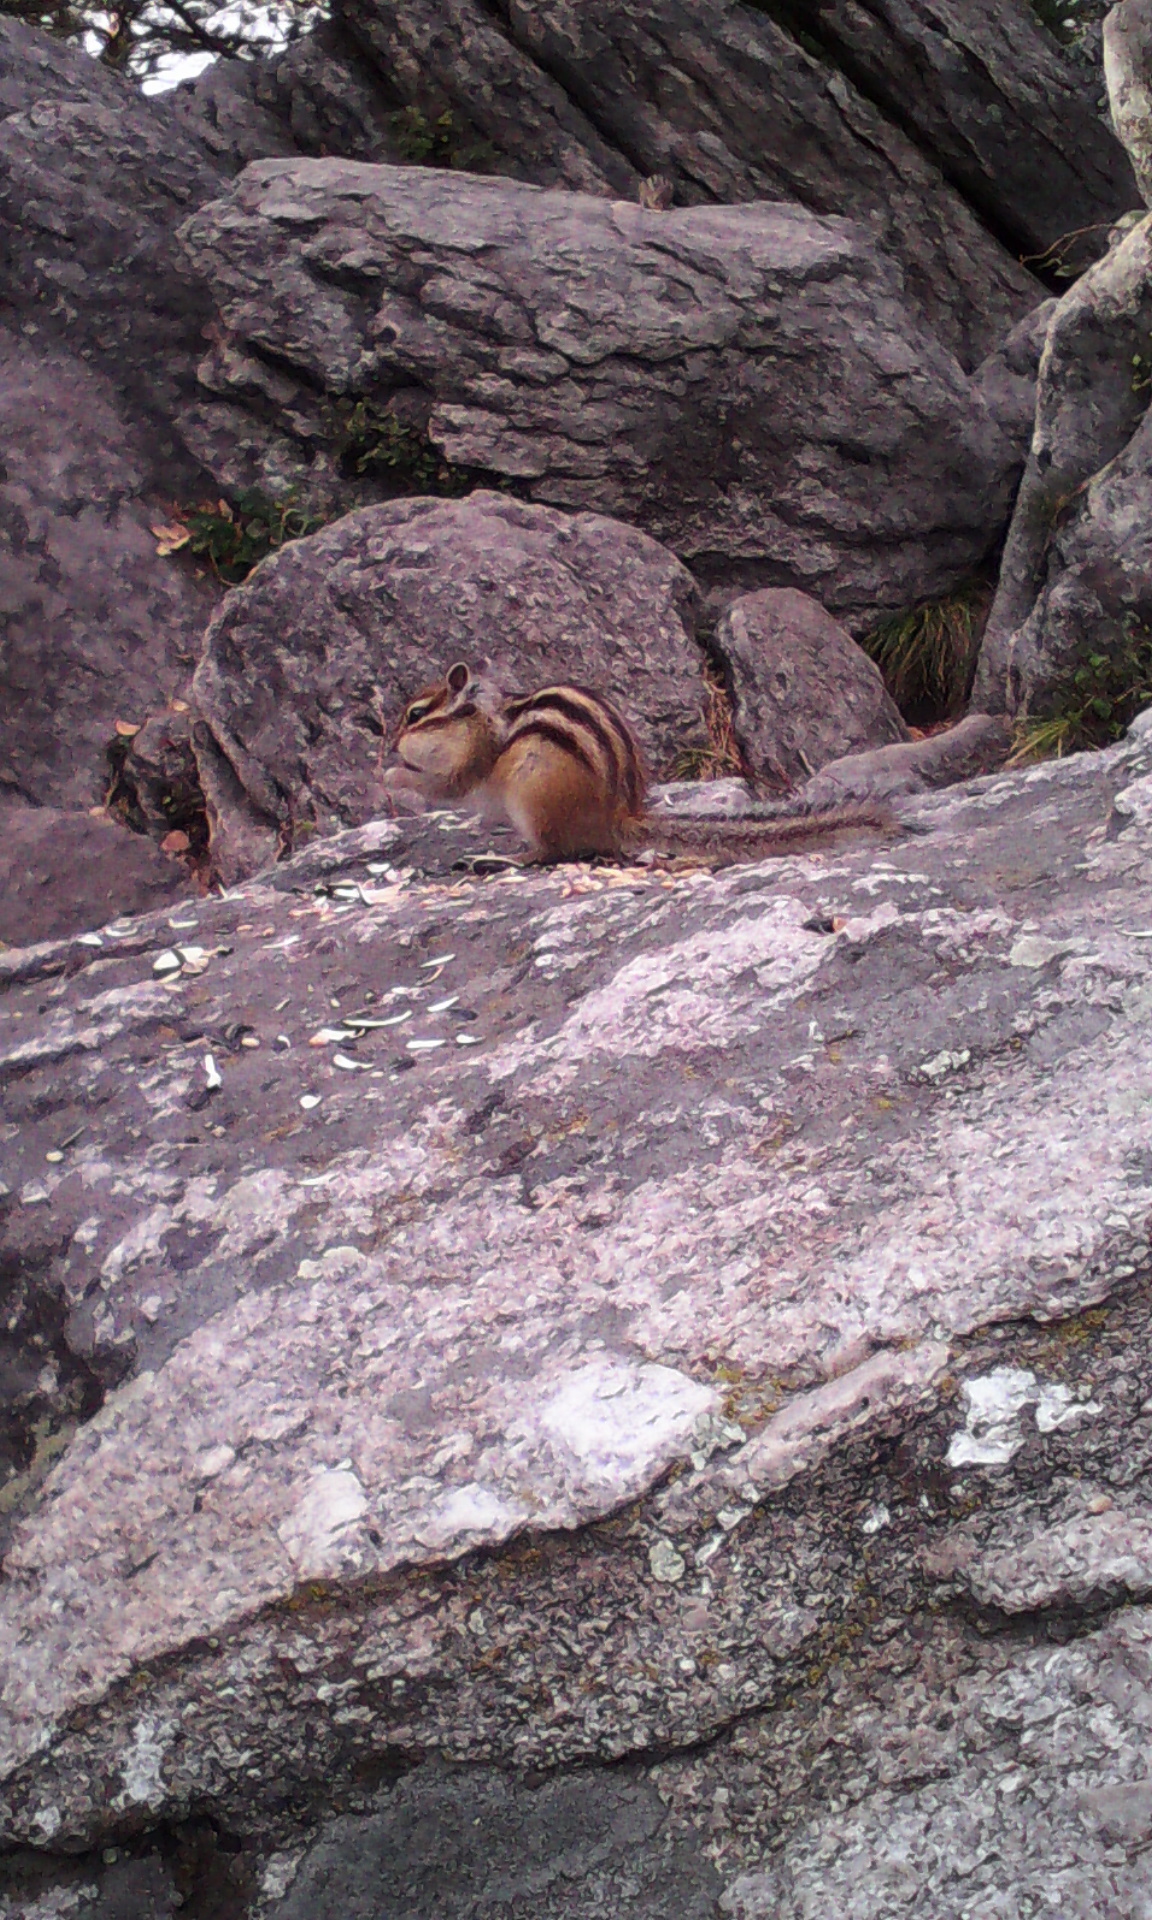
[(758, 836)]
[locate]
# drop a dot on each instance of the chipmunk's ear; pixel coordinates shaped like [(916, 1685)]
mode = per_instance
[(458, 677)]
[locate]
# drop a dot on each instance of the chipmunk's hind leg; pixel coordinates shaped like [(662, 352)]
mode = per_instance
[(555, 804)]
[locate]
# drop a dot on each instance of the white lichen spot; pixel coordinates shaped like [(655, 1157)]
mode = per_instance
[(1057, 1408), (665, 1563), (214, 1461), (945, 1062), (1036, 950), (46, 1821), (993, 1403), (141, 1767), (621, 1422), (279, 1872), (331, 1502), (471, 1509)]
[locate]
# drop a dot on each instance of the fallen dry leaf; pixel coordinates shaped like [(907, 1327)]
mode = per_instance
[(170, 538), (127, 728)]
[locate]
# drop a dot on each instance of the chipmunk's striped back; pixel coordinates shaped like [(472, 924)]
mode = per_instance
[(586, 726)]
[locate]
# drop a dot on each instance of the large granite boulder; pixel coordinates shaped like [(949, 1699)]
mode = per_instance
[(307, 668), (1076, 578), (727, 105), (803, 692), (1077, 572), (649, 1366), (745, 383)]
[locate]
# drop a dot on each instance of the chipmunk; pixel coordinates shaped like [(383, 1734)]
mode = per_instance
[(656, 192), (562, 768)]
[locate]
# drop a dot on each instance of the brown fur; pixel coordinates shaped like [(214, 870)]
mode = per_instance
[(562, 768)]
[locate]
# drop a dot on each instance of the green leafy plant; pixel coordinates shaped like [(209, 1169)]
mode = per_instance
[(234, 538), (1094, 705), (928, 655), (438, 142), (371, 440)]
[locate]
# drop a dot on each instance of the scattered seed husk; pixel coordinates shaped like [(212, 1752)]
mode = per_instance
[(249, 1040), (89, 940), (442, 1006), (212, 1073), (468, 1040), (425, 1046), (349, 1066), (167, 962), (441, 960), (327, 1037), (309, 1100), (368, 1023), (55, 1156)]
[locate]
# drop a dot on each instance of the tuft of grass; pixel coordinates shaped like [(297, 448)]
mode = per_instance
[(720, 757), (928, 655), (234, 538), (1094, 706)]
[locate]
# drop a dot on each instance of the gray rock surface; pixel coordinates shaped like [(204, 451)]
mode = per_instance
[(1076, 576), (803, 692), (315, 96), (977, 744), (646, 1374), (745, 383), (1128, 73), (97, 627), (997, 104), (307, 668), (64, 873), (581, 95), (101, 336)]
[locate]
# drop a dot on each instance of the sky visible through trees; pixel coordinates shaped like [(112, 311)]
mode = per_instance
[(161, 42)]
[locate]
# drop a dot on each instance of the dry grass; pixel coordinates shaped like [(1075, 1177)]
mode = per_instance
[(720, 758), (928, 655)]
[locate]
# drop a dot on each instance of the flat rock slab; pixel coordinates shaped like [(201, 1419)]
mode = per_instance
[(803, 692), (685, 1178), (306, 669), (746, 383), (577, 93)]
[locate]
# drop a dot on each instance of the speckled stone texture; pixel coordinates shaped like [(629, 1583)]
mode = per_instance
[(803, 692), (749, 384), (706, 1330), (306, 669)]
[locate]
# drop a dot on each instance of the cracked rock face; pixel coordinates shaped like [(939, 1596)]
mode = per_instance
[(723, 102), (1077, 572), (733, 380), (603, 1312)]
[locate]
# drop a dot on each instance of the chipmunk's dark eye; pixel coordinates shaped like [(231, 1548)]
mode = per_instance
[(418, 712)]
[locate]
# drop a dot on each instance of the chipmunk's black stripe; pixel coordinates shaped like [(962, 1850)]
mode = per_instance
[(431, 720), (589, 710), (556, 736)]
